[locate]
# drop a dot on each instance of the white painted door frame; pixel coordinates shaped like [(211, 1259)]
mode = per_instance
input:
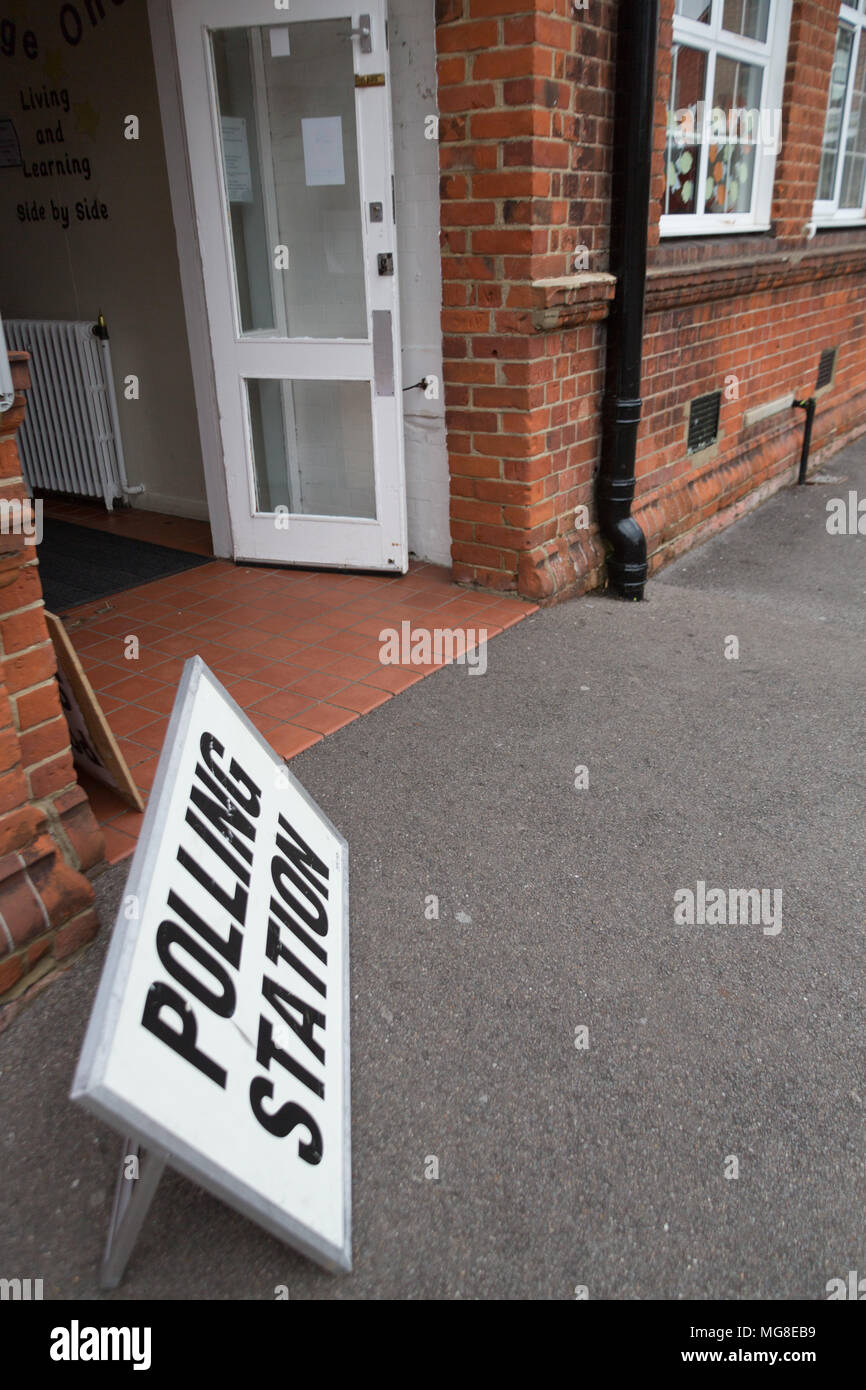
[(391, 552)]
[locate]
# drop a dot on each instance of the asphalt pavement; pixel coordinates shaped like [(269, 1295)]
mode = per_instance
[(583, 1067)]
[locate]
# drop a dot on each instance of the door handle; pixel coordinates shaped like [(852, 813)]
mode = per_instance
[(364, 33)]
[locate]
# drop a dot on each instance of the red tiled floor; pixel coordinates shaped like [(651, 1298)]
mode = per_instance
[(298, 650)]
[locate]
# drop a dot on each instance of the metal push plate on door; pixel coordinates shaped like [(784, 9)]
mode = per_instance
[(386, 263), (383, 352)]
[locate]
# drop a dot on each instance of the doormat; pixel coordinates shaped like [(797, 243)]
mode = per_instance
[(78, 564)]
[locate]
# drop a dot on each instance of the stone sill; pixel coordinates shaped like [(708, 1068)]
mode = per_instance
[(671, 288), (565, 301)]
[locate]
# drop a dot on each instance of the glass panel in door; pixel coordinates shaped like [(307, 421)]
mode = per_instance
[(286, 99)]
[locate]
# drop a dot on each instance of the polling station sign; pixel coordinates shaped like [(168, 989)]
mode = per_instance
[(220, 1033)]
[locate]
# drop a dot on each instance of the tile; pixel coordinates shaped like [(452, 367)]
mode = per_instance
[(239, 664), (350, 644), (162, 702), (169, 671), (152, 736), (313, 658), (280, 648), (282, 705), (353, 668), (248, 693), (145, 773), (246, 639), (133, 753), (361, 698), (118, 845), (282, 674), (394, 678), (289, 740), (370, 627), (265, 723), (125, 720), (130, 822), (325, 719), (133, 688), (318, 685)]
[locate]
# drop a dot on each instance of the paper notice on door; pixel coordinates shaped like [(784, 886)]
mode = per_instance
[(281, 46), (236, 158), (323, 151)]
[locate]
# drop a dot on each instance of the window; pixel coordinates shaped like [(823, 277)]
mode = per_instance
[(841, 193), (725, 116)]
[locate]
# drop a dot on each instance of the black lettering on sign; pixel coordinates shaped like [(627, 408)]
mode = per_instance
[(302, 856), (284, 1120), (236, 906), (303, 936), (225, 817), (170, 934), (310, 1018), (160, 998), (240, 787), (230, 950), (267, 1052), (281, 871), (277, 951), (219, 848)]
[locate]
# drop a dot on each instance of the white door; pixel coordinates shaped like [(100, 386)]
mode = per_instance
[(287, 115)]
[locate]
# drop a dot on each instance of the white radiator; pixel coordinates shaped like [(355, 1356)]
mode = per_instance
[(70, 439)]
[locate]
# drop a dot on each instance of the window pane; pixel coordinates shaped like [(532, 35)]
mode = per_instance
[(747, 17), (313, 447), (688, 87), (290, 153), (699, 10), (854, 168), (736, 126), (835, 112)]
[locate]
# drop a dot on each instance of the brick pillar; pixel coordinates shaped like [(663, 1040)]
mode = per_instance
[(804, 105), (526, 106), (48, 836)]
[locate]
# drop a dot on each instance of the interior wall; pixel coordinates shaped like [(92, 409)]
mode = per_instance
[(117, 255), (125, 265)]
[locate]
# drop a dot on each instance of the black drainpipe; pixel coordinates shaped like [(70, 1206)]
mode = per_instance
[(809, 407), (633, 148)]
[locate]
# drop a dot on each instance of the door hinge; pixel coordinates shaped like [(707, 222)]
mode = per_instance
[(369, 79)]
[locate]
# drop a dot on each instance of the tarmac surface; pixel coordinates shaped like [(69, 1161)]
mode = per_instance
[(560, 1166)]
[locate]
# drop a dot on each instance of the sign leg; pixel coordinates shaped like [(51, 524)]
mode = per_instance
[(132, 1199)]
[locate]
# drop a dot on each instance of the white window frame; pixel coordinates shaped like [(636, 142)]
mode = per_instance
[(826, 212), (772, 56)]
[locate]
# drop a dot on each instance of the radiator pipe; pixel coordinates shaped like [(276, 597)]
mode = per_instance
[(809, 407), (627, 565)]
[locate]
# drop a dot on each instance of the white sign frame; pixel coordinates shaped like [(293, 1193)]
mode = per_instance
[(89, 1087)]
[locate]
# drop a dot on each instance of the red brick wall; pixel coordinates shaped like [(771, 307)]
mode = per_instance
[(757, 309), (526, 109), (48, 837), (526, 95)]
